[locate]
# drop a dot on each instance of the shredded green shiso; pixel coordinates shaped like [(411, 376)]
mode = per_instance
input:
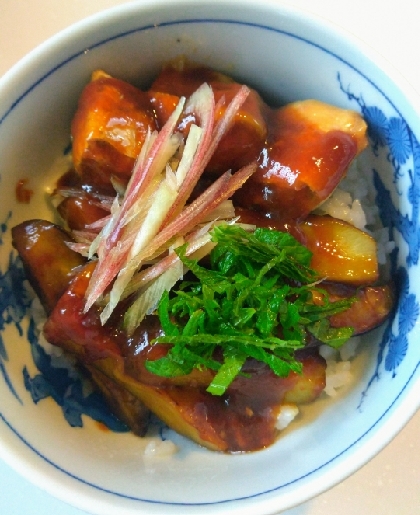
[(255, 300)]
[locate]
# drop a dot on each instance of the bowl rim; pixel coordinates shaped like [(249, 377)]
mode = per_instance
[(287, 8)]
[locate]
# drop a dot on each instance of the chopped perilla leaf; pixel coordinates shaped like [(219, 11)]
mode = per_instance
[(253, 301), (334, 337)]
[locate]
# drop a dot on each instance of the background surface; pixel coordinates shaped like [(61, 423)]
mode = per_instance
[(390, 483)]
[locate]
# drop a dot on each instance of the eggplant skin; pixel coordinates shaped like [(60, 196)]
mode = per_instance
[(372, 306), (128, 408), (48, 261)]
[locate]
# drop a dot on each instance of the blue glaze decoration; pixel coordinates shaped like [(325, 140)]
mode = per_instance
[(4, 226), (398, 140), (408, 313), (14, 303), (376, 122), (67, 387), (393, 136)]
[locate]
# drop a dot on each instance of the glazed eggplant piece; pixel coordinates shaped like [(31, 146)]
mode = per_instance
[(50, 266), (125, 406), (340, 252), (108, 131), (79, 212), (49, 263), (243, 142), (309, 148), (77, 204), (371, 307)]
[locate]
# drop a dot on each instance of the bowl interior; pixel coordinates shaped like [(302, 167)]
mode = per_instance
[(47, 431)]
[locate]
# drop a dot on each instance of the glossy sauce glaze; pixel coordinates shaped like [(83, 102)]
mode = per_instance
[(243, 143), (299, 167), (107, 140), (82, 209)]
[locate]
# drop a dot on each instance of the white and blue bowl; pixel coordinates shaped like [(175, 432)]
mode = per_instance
[(48, 430)]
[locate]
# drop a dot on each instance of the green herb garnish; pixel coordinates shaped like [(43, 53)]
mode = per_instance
[(254, 301)]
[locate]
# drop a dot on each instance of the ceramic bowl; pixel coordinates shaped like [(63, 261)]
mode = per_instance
[(47, 427)]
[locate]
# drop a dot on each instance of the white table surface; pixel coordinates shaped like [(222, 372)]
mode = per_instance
[(390, 483)]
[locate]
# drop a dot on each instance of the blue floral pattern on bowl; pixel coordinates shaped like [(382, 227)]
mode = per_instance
[(393, 136)]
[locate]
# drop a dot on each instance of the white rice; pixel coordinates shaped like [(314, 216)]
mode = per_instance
[(158, 448), (354, 202), (339, 365), (288, 412)]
